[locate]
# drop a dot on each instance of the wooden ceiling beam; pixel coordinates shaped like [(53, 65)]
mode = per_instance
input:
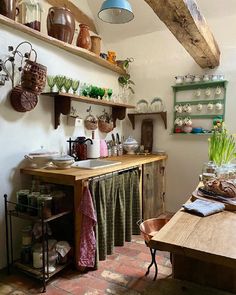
[(188, 25)]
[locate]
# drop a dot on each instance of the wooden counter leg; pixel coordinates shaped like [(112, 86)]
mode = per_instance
[(204, 273)]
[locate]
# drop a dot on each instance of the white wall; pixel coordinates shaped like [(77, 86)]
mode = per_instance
[(158, 59), (21, 133)]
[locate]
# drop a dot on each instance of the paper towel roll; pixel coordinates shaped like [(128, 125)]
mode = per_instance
[(93, 151)]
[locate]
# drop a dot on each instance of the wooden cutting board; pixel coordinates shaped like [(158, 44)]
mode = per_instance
[(147, 134), (230, 204)]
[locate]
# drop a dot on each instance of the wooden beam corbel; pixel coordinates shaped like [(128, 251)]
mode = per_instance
[(188, 25)]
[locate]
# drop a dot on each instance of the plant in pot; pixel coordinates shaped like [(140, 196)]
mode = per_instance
[(221, 150), (125, 82)]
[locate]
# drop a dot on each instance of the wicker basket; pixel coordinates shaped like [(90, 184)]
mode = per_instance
[(34, 77), (104, 126), (22, 100), (91, 123)]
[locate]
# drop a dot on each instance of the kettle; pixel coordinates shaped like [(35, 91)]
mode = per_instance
[(79, 148)]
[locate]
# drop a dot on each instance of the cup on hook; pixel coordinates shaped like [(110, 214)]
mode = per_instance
[(199, 107), (179, 122), (218, 106), (208, 92), (210, 106), (179, 108), (218, 90)]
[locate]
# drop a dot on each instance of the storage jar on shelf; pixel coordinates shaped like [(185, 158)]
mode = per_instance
[(61, 24), (84, 39), (30, 11)]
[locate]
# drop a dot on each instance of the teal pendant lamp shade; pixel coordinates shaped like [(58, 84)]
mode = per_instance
[(116, 12)]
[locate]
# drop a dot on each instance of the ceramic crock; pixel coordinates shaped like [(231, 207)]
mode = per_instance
[(96, 44), (8, 8), (61, 24)]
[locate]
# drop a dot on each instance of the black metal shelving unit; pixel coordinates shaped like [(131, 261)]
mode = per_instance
[(41, 274)]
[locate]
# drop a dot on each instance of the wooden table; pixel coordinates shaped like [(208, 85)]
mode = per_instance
[(203, 248)]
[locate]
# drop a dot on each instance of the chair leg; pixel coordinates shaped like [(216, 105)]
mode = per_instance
[(153, 255)]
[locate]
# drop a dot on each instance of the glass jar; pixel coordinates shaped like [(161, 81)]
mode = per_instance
[(26, 236), (33, 203), (45, 206), (208, 171), (26, 254), (22, 200), (38, 255), (31, 13)]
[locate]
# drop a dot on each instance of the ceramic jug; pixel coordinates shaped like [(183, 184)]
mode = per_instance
[(8, 8), (84, 39), (61, 24)]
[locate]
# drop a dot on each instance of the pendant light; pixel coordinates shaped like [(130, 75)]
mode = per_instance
[(116, 12)]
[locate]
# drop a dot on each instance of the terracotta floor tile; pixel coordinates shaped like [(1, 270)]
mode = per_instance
[(121, 273), (5, 289)]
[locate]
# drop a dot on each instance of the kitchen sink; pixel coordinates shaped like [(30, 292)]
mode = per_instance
[(94, 164)]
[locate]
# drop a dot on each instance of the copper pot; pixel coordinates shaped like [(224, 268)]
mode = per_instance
[(8, 8), (61, 24), (151, 226)]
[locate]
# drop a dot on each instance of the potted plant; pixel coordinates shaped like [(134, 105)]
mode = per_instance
[(222, 146)]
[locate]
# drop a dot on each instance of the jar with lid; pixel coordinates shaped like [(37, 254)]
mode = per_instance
[(26, 236), (30, 11), (45, 206), (208, 171), (33, 203), (26, 254), (22, 200), (38, 256)]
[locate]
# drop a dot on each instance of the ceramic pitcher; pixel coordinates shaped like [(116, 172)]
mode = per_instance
[(84, 39), (61, 24), (8, 8)]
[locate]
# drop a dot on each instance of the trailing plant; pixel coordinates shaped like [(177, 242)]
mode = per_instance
[(221, 146), (125, 82)]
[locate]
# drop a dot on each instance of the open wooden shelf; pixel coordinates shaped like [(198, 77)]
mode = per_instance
[(78, 51), (133, 115), (62, 105)]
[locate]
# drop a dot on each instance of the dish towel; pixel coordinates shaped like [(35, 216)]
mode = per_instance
[(87, 239), (203, 208)]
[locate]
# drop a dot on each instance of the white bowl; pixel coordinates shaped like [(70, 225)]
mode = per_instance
[(63, 162)]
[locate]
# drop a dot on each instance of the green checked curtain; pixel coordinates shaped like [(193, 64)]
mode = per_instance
[(116, 200)]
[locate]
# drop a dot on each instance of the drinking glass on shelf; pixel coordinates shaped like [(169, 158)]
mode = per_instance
[(109, 93), (60, 80), (67, 84), (51, 82), (75, 85)]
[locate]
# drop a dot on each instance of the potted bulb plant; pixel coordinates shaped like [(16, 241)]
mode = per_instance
[(222, 147)]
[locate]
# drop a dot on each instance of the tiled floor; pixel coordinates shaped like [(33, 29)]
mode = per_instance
[(122, 273)]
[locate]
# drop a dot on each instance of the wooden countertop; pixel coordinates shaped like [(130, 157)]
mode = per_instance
[(70, 176), (211, 239)]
